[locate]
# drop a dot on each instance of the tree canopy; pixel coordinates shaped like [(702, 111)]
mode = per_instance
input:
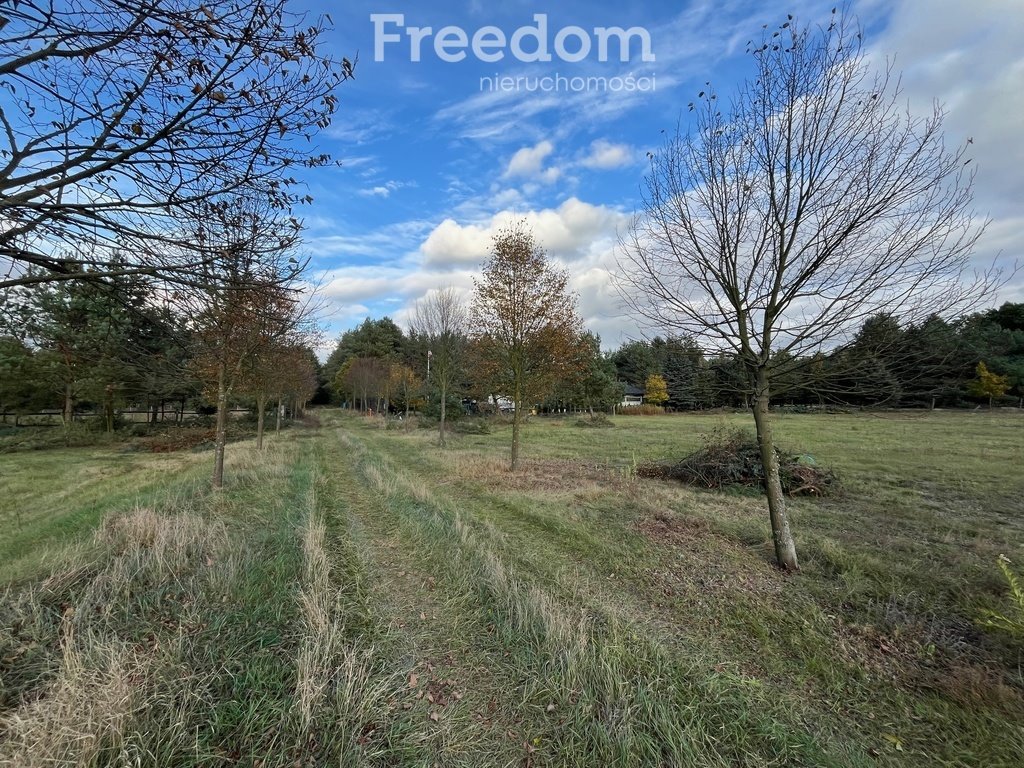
[(123, 121)]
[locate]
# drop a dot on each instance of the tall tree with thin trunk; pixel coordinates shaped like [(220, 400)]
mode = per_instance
[(248, 303), (441, 320), (524, 323), (787, 216)]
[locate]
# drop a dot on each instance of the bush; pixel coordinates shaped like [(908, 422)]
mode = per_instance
[(453, 410), (734, 459), (597, 420)]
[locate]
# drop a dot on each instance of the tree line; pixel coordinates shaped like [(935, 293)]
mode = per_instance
[(934, 363), (931, 364), (153, 162), (85, 346)]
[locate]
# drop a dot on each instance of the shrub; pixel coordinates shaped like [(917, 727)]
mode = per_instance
[(1014, 622), (734, 459), (599, 420)]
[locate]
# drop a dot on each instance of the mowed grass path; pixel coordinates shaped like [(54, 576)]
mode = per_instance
[(359, 596)]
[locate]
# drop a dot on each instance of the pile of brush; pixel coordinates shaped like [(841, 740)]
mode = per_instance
[(734, 459)]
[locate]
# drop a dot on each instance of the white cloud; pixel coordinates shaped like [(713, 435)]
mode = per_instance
[(383, 190), (604, 155), (968, 57), (528, 163), (454, 243), (567, 233), (578, 236)]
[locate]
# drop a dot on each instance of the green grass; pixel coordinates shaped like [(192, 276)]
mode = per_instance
[(51, 498), (358, 596)]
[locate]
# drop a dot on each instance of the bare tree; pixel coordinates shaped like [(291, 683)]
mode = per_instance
[(441, 320), (784, 220), (524, 323), (124, 118)]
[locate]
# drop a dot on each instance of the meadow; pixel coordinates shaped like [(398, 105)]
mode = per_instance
[(357, 595)]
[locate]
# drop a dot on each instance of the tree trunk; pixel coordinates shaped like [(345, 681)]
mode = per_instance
[(444, 403), (69, 406), (516, 415), (108, 409), (261, 410), (277, 428), (785, 549), (221, 434)]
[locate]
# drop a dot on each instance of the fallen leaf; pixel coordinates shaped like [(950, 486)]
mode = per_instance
[(894, 740), (434, 716), (414, 680), (551, 708)]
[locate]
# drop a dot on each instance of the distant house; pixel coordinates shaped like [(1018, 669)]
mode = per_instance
[(631, 396), (503, 404)]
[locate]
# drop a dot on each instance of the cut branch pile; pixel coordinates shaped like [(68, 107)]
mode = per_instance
[(735, 460)]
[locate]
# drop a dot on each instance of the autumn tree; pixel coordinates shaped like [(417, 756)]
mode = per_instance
[(263, 375), (523, 322), (381, 339), (440, 321), (365, 378), (249, 301), (988, 384), (302, 380), (792, 212), (405, 386), (655, 389), (125, 120)]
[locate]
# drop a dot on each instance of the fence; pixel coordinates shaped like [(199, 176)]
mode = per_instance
[(55, 418)]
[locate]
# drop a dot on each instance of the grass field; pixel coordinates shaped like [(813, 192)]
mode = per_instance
[(359, 596)]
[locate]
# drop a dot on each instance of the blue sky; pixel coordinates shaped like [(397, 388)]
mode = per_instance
[(434, 158)]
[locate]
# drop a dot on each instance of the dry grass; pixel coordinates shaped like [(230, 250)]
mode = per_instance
[(342, 686), (85, 714), (103, 684)]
